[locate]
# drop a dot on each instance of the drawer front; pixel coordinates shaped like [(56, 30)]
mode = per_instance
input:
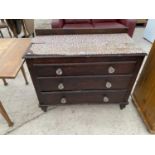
[(70, 69), (77, 97), (84, 83)]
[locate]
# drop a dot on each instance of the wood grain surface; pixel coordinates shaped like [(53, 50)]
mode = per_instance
[(11, 52), (81, 75), (144, 92)]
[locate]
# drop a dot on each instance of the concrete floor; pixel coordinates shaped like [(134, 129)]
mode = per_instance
[(22, 105)]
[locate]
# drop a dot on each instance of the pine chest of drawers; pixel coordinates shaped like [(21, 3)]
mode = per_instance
[(78, 69)]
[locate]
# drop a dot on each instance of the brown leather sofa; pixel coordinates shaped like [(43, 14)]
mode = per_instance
[(95, 24)]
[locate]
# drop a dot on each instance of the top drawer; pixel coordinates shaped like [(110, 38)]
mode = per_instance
[(74, 69)]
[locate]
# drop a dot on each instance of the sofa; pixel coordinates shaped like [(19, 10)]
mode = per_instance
[(95, 24)]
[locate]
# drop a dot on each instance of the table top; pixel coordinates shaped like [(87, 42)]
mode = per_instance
[(85, 44), (11, 52)]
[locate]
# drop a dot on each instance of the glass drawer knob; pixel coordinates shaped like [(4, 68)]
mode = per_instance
[(59, 71), (111, 70), (108, 85), (60, 86), (105, 99), (63, 100)]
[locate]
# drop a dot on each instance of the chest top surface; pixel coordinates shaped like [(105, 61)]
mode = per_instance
[(87, 44)]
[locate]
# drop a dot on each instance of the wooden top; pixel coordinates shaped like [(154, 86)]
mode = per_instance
[(11, 52), (85, 44)]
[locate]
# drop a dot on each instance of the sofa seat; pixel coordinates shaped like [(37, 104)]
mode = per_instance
[(78, 26), (108, 25)]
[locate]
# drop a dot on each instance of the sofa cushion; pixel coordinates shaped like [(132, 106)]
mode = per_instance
[(103, 20), (76, 21), (78, 26), (107, 25)]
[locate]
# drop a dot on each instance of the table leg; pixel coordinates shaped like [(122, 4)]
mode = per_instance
[(1, 34), (24, 74), (9, 32), (5, 83), (24, 29), (5, 115), (14, 32)]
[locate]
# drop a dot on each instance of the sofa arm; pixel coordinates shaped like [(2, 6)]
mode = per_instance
[(130, 23), (57, 23)]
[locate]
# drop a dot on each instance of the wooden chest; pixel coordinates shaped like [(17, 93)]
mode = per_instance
[(78, 78)]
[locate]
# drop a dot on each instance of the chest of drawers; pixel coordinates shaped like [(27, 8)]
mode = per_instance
[(80, 79), (70, 80)]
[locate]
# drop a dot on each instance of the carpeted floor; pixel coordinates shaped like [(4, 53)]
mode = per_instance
[(22, 105)]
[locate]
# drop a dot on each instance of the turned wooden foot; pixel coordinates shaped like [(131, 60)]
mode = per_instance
[(122, 106), (43, 108), (24, 74)]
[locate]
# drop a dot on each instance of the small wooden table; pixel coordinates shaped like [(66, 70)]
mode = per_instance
[(11, 52)]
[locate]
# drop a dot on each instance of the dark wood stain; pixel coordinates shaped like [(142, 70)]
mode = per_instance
[(79, 31), (84, 78), (84, 82), (76, 97), (144, 92)]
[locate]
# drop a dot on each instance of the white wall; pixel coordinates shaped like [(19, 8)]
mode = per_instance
[(149, 32)]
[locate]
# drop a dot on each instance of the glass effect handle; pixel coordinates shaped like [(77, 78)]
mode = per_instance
[(59, 71), (108, 84), (105, 99), (111, 70), (63, 100), (61, 86)]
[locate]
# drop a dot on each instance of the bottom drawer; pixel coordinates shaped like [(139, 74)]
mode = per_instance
[(75, 97)]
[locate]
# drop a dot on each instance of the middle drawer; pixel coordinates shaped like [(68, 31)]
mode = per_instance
[(84, 82)]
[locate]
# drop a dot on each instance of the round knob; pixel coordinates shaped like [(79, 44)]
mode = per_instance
[(61, 86), (111, 70), (108, 85), (63, 100), (59, 71), (105, 99)]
